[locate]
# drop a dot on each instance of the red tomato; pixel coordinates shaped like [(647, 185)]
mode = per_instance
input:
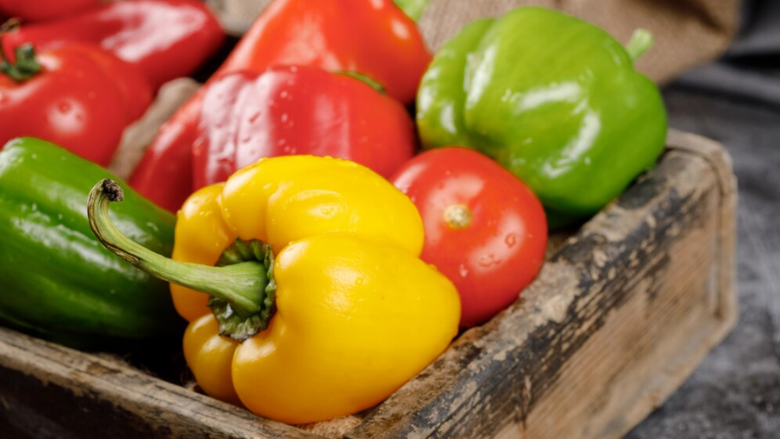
[(36, 10), (484, 228), (81, 99)]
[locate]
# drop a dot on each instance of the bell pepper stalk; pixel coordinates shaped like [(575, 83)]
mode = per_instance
[(164, 39), (413, 8), (357, 312), (554, 99), (59, 283), (364, 79), (248, 116), (371, 37), (76, 96), (641, 41), (241, 290)]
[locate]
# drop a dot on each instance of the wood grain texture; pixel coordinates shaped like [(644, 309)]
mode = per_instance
[(621, 313)]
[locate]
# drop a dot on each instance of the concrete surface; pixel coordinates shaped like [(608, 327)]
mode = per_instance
[(735, 393)]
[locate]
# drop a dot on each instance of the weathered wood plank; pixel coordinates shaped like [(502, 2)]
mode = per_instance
[(52, 391)]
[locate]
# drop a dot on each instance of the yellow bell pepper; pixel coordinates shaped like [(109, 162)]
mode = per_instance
[(318, 282)]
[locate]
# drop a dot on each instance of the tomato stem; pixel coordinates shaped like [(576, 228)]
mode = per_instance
[(457, 216)]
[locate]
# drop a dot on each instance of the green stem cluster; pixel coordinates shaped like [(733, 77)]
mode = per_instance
[(242, 289), (26, 66)]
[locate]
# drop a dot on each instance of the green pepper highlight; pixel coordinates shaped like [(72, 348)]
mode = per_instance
[(58, 281), (553, 99)]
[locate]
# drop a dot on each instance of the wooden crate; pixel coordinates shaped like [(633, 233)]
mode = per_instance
[(622, 312)]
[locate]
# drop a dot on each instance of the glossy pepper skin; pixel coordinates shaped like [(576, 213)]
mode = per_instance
[(357, 313), (37, 10), (57, 280), (74, 95), (371, 37), (553, 99), (165, 39), (289, 110), (484, 229)]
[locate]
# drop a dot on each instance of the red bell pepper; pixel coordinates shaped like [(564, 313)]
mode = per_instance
[(372, 37), (298, 110), (37, 10), (167, 39), (77, 96)]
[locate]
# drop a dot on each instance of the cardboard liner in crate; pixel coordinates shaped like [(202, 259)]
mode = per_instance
[(621, 313), (140, 134)]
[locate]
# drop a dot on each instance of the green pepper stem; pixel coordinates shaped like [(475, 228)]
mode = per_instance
[(413, 8), (363, 78), (241, 284), (641, 41)]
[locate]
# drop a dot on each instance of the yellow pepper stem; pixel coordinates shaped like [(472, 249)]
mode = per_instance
[(241, 289)]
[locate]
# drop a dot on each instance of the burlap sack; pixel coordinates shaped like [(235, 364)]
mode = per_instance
[(687, 32)]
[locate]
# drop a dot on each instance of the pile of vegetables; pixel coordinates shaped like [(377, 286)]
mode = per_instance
[(319, 261)]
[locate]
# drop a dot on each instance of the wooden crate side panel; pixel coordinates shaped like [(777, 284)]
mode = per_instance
[(647, 347), (497, 375), (86, 396), (721, 163)]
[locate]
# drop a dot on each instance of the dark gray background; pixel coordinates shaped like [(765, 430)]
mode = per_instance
[(735, 393)]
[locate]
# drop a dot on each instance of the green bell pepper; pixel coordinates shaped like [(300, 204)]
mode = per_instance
[(553, 99), (58, 281)]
